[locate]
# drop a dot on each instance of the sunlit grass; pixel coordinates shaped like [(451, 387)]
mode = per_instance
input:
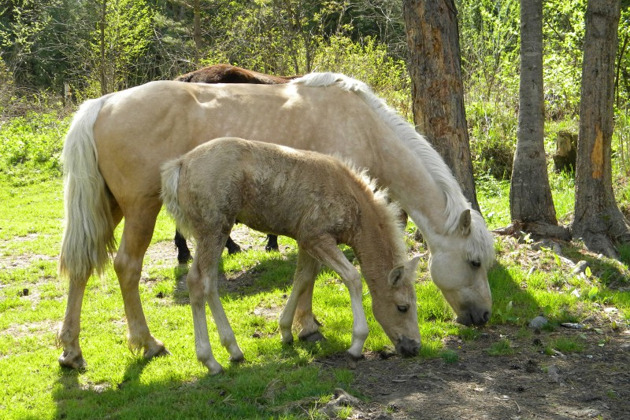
[(119, 383)]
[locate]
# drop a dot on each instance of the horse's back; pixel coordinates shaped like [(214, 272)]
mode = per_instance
[(140, 128), (270, 188)]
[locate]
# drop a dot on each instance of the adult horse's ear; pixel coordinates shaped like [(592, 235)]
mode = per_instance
[(412, 264), (464, 222), (398, 273)]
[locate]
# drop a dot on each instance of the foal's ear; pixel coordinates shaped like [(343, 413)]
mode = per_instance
[(398, 273), (464, 222)]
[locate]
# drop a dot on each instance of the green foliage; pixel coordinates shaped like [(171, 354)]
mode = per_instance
[(120, 40), (489, 49), (563, 35), (30, 148), (492, 138)]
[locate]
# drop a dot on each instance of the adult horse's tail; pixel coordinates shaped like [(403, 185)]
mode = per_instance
[(88, 237), (170, 184)]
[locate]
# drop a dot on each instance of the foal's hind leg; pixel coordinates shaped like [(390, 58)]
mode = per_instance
[(303, 280), (128, 265), (203, 286)]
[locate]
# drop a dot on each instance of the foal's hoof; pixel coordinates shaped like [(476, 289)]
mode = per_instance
[(158, 351), (313, 337), (72, 361)]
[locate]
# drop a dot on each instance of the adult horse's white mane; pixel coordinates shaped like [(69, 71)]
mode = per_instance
[(480, 246)]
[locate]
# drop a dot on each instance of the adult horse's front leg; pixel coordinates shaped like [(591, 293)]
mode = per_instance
[(325, 250), (128, 265)]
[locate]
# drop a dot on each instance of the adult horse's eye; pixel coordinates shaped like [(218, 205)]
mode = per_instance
[(475, 263), (403, 308)]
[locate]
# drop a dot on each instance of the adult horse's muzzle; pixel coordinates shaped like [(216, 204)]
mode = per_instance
[(474, 317), (408, 347)]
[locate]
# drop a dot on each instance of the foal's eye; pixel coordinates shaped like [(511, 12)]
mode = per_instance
[(475, 263), (403, 308)]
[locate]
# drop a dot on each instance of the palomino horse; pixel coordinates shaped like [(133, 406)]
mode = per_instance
[(226, 73), (308, 196), (117, 143)]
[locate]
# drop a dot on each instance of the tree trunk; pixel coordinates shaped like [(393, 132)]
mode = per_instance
[(530, 194), (102, 48), (437, 89), (197, 31), (598, 220)]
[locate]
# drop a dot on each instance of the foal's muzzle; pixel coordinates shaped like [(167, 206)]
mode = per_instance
[(408, 347)]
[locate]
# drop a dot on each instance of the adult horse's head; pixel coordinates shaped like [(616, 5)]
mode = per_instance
[(459, 267), (395, 308)]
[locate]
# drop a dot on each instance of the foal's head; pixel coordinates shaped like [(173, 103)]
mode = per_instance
[(459, 267), (395, 308)]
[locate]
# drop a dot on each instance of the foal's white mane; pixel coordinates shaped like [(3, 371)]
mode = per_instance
[(480, 245)]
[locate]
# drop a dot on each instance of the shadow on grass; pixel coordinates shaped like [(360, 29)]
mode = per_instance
[(287, 388), (274, 272)]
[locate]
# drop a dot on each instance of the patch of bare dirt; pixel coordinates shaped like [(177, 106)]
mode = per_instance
[(528, 384)]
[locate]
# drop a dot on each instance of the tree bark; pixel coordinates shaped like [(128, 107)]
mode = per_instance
[(437, 89), (530, 194), (197, 31), (598, 220), (102, 65)]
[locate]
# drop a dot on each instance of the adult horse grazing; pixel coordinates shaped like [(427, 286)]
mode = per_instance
[(313, 198), (117, 143), (226, 73)]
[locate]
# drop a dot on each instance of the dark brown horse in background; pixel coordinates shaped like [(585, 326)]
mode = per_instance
[(226, 73)]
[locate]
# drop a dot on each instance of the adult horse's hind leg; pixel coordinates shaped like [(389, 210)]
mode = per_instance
[(128, 265), (68, 336)]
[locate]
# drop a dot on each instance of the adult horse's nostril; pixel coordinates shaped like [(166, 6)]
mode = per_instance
[(408, 347), (485, 317)]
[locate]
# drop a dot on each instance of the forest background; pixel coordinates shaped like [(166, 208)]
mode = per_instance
[(56, 53)]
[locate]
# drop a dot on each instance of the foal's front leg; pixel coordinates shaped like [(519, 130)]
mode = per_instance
[(326, 251)]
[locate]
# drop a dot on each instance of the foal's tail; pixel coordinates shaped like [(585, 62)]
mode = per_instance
[(88, 237), (170, 185)]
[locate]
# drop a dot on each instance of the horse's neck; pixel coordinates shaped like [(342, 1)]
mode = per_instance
[(411, 185), (376, 246)]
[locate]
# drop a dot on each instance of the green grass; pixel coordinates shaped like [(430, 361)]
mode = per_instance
[(276, 381)]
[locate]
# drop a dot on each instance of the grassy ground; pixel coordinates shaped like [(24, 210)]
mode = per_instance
[(526, 281)]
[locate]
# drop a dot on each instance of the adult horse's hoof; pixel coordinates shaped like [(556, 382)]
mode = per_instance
[(72, 361), (313, 337)]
